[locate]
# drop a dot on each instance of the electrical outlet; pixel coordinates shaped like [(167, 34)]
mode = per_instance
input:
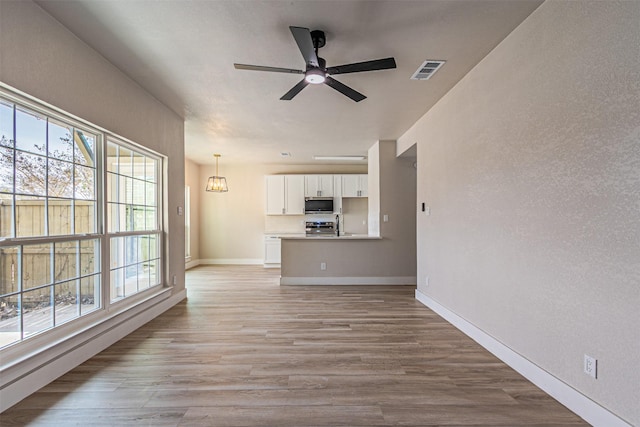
[(426, 281), (385, 218), (175, 280), (323, 266), (591, 366), (179, 210)]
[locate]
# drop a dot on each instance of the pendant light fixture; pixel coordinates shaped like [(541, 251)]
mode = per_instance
[(217, 183)]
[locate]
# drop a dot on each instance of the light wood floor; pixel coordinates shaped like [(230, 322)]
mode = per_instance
[(243, 351)]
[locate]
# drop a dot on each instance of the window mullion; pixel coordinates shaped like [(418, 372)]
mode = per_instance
[(105, 245), (14, 211), (73, 181), (20, 290), (46, 181), (52, 281)]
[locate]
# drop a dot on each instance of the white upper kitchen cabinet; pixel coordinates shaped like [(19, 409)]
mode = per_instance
[(285, 194), (318, 186), (294, 194), (355, 185)]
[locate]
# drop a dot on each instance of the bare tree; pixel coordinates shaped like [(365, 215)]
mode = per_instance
[(65, 178)]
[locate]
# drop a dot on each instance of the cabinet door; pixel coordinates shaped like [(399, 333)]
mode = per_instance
[(311, 186), (364, 185), (275, 195), (272, 250), (350, 185), (326, 185), (294, 200)]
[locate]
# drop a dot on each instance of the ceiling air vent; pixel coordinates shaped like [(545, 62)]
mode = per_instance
[(427, 69)]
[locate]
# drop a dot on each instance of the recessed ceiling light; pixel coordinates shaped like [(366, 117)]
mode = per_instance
[(339, 158)]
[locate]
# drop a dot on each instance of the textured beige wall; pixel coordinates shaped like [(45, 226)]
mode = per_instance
[(531, 167), (192, 179), (374, 189), (232, 224), (43, 59), (355, 215)]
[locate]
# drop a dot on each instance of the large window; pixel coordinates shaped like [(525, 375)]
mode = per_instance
[(52, 214), (49, 257)]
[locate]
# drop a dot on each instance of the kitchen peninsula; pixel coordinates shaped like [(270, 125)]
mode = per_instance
[(346, 260)]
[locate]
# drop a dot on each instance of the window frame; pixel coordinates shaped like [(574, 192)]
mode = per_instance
[(49, 336), (158, 231), (187, 223)]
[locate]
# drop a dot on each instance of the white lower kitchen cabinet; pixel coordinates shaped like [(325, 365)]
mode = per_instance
[(272, 251)]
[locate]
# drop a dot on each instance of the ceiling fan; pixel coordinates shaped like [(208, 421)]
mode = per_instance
[(317, 71)]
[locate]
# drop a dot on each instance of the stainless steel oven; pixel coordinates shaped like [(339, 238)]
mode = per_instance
[(320, 228)]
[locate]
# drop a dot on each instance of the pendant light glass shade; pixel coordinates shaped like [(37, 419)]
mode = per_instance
[(217, 183)]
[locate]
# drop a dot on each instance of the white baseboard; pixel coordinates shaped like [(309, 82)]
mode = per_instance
[(272, 265), (36, 372), (330, 280), (577, 402), (191, 264), (231, 261)]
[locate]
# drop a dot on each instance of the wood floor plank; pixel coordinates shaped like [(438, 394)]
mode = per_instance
[(243, 351)]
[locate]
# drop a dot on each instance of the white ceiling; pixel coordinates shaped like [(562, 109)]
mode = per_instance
[(183, 52)]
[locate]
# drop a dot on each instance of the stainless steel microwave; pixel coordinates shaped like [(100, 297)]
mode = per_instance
[(318, 205)]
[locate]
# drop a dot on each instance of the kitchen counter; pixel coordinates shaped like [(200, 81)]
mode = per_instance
[(287, 234), (346, 236)]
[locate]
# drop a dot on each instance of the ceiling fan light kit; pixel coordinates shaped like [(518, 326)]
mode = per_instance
[(315, 76), (316, 71)]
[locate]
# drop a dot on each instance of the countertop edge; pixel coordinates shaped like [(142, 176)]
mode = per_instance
[(356, 237)]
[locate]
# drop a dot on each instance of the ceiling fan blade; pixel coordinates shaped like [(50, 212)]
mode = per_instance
[(376, 64), (305, 44), (344, 89), (263, 68), (294, 90)]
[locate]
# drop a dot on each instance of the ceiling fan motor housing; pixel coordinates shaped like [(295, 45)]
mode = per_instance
[(318, 38), (322, 65)]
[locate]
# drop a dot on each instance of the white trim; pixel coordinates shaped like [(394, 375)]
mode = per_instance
[(23, 379), (577, 402), (231, 261), (272, 265), (191, 264), (333, 280)]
